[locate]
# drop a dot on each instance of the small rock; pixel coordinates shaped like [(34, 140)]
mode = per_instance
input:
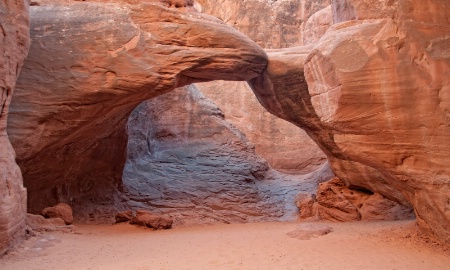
[(39, 223), (145, 218), (61, 210), (124, 216)]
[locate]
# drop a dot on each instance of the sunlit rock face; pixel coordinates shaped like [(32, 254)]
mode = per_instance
[(185, 160), (14, 43), (90, 65), (272, 24), (373, 93)]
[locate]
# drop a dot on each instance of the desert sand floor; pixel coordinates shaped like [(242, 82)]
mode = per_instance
[(383, 245)]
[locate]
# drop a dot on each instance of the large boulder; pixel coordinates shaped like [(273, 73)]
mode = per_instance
[(376, 101), (150, 220), (14, 43), (90, 65), (61, 210)]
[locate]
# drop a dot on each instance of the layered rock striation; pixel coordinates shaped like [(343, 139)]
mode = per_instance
[(185, 160), (14, 43), (373, 93), (90, 65)]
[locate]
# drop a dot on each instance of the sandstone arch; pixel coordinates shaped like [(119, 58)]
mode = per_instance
[(90, 65)]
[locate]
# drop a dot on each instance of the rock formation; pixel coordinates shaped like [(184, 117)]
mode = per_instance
[(90, 65), (185, 160), (285, 147), (149, 220), (272, 24), (61, 210), (372, 92), (14, 42), (39, 223), (376, 100), (336, 202)]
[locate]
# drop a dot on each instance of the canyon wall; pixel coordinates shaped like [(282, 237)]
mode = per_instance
[(14, 43), (373, 93), (90, 64)]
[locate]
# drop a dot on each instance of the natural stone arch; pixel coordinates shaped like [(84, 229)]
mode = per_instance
[(89, 66)]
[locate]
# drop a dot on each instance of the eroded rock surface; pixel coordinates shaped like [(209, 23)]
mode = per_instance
[(285, 147), (272, 24), (150, 220), (90, 65), (14, 42), (377, 102), (61, 210), (39, 223), (187, 161), (336, 202)]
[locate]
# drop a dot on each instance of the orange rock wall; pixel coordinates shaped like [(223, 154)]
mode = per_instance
[(376, 100), (14, 43)]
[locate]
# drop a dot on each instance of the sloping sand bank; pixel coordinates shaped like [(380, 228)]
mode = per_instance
[(384, 245)]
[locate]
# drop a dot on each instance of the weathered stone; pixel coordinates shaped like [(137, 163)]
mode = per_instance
[(285, 147), (91, 64), (147, 219), (14, 43), (306, 203), (61, 210), (317, 25), (379, 208), (124, 216), (39, 223), (376, 103), (336, 202), (271, 24), (186, 160)]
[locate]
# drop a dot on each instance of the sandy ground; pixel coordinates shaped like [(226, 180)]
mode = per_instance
[(385, 245)]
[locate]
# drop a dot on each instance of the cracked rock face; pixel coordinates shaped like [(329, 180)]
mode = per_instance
[(376, 100), (90, 65), (14, 42)]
